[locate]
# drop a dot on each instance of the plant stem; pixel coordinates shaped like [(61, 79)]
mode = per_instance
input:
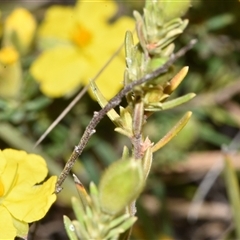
[(115, 101)]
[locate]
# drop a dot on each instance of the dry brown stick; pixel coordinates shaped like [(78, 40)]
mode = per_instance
[(115, 101)]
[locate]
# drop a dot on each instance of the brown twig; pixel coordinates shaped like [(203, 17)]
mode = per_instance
[(76, 99), (115, 101)]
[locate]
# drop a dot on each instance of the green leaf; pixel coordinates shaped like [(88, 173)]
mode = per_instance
[(70, 229), (94, 196), (178, 101), (219, 21), (78, 209), (232, 188), (112, 114), (173, 132), (114, 233)]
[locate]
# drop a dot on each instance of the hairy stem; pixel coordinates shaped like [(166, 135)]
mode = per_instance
[(115, 101)]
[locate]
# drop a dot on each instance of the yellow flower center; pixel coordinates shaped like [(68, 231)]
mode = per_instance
[(81, 36), (1, 188)]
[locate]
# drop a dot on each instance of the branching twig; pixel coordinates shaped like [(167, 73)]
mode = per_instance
[(77, 98), (115, 101)]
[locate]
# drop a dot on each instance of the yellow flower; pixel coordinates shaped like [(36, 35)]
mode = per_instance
[(78, 41), (22, 198), (19, 30), (10, 72)]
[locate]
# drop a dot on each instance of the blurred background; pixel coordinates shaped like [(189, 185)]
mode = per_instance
[(165, 209)]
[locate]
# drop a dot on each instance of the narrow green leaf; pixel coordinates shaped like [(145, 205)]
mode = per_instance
[(114, 233), (89, 221), (173, 132), (81, 191), (178, 101), (70, 229), (112, 114), (80, 230), (232, 187), (219, 21), (129, 45), (94, 196), (115, 222), (78, 209), (176, 80)]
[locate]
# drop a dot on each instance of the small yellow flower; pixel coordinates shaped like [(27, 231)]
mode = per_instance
[(22, 198), (10, 72), (19, 30), (8, 55), (78, 41)]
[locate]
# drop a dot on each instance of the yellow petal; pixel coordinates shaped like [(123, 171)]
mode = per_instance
[(113, 35), (60, 70), (7, 229), (21, 25), (3, 162), (111, 80), (2, 189), (58, 24), (100, 11), (31, 204), (28, 169), (9, 174)]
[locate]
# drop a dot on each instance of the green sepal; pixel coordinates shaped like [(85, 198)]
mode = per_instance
[(120, 184), (125, 123), (124, 132), (125, 154), (147, 162), (138, 118), (173, 9)]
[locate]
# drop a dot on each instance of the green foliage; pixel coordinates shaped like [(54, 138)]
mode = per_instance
[(233, 192), (213, 75), (93, 221)]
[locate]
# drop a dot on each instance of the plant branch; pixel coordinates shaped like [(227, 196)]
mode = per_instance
[(115, 101)]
